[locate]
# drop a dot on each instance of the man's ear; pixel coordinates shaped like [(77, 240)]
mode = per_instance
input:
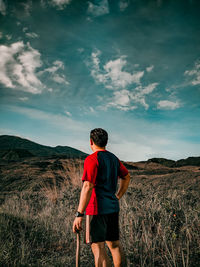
[(91, 142)]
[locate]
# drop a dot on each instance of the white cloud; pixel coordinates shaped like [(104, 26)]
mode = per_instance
[(121, 100), (195, 73), (2, 8), (126, 99), (118, 77), (98, 10), (58, 78), (60, 4), (23, 98), (80, 50), (91, 109), (27, 7), (32, 34), (7, 54), (88, 110), (18, 65), (166, 104), (95, 68), (56, 66), (68, 113), (123, 5), (148, 89), (148, 69), (139, 93), (95, 58), (25, 29), (8, 36), (121, 97), (30, 61), (112, 75)]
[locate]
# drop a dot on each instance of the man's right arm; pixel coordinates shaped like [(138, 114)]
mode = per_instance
[(124, 182)]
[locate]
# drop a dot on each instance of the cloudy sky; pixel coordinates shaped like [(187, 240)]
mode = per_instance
[(131, 67)]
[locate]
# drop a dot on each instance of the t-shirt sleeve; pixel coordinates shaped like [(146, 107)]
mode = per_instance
[(90, 170), (122, 170)]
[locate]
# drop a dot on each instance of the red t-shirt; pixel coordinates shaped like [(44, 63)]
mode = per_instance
[(103, 168)]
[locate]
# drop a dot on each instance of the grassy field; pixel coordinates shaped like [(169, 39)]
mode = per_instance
[(159, 222)]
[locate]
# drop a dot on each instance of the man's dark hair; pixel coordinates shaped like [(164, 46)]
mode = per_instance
[(99, 136)]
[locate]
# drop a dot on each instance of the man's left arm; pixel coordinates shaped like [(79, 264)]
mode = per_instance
[(85, 196)]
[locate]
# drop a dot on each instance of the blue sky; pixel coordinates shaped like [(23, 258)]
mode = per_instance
[(131, 67)]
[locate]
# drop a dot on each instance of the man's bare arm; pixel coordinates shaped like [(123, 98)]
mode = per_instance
[(123, 186), (85, 196)]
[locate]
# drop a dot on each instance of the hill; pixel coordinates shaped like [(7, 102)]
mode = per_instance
[(190, 161), (14, 148)]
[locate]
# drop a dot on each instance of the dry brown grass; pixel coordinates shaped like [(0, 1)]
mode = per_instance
[(159, 221)]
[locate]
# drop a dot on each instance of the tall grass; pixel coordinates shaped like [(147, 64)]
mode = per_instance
[(161, 228), (158, 227)]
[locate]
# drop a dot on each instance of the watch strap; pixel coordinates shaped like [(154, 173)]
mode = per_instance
[(78, 214)]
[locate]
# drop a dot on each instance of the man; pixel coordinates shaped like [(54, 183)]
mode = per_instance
[(100, 200)]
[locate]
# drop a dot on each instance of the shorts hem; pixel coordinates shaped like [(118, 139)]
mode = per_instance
[(112, 239)]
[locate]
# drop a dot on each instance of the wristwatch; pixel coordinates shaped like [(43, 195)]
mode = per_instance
[(78, 214)]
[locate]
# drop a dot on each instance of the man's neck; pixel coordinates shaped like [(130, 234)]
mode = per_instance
[(98, 149)]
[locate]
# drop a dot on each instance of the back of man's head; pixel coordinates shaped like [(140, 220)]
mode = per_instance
[(99, 136)]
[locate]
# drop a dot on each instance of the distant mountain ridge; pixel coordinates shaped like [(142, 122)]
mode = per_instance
[(14, 147), (190, 161)]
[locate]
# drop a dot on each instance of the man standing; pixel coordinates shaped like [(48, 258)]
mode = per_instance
[(100, 200)]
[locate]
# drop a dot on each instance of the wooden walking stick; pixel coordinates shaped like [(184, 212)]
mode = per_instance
[(87, 238), (77, 248), (87, 229)]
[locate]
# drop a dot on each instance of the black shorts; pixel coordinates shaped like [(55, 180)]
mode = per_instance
[(104, 227)]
